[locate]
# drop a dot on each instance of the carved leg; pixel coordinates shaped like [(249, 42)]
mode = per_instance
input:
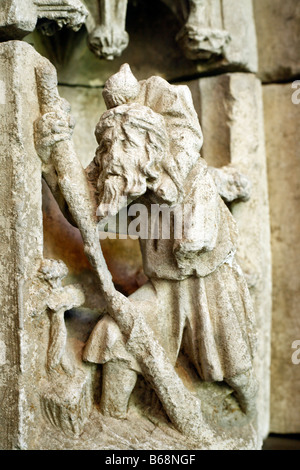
[(245, 389), (58, 339), (118, 384)]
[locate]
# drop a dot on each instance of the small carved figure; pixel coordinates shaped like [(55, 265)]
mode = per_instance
[(196, 298), (58, 300)]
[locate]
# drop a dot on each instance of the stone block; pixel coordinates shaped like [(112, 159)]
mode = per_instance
[(278, 30), (17, 19), (68, 403), (231, 115), (25, 326)]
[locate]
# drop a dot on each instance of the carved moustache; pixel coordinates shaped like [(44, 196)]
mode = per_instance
[(115, 188)]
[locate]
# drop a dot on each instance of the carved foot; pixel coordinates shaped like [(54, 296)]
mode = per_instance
[(245, 390), (67, 402)]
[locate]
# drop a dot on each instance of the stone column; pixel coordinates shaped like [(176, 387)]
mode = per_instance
[(21, 234)]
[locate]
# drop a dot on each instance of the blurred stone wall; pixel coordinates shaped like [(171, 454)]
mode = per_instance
[(278, 36)]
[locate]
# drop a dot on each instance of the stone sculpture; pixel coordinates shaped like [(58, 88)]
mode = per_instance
[(196, 303)]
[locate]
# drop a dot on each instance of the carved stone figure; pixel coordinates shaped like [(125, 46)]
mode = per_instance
[(134, 160), (196, 301), (58, 300)]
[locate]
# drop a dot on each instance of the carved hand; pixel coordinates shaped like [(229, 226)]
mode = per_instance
[(52, 127), (231, 184)]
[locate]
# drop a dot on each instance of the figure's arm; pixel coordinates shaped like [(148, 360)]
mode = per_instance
[(201, 220), (50, 177), (51, 128)]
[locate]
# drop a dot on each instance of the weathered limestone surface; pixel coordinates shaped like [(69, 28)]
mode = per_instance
[(62, 240), (239, 22), (278, 31), (226, 103), (106, 27), (232, 104), (234, 18), (18, 18), (49, 392), (21, 236), (233, 365), (214, 33), (282, 119), (32, 335), (50, 398)]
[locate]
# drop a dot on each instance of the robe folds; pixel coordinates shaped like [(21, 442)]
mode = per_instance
[(196, 298)]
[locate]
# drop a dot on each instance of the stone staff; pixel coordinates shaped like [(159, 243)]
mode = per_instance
[(182, 407)]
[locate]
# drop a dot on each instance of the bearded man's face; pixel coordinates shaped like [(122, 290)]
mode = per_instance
[(120, 152)]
